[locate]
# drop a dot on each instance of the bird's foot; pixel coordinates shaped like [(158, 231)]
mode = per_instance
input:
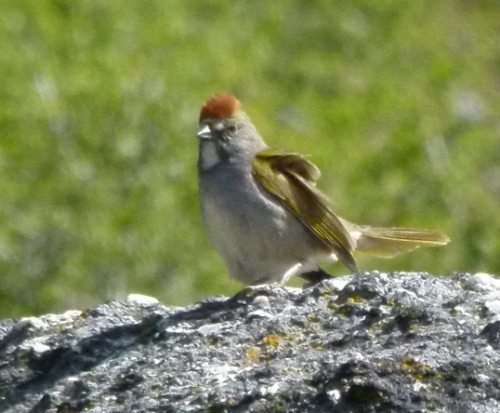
[(314, 277), (251, 291)]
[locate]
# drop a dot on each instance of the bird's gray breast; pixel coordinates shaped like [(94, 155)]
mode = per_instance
[(241, 219)]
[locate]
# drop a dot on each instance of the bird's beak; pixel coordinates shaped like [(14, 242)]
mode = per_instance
[(205, 133)]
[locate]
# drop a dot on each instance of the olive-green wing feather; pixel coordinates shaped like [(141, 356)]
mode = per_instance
[(288, 162), (291, 179)]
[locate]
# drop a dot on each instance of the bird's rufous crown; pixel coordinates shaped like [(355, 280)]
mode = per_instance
[(220, 107)]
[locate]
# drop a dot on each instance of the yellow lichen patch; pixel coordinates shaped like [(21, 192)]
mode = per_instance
[(272, 340), (355, 299), (253, 354)]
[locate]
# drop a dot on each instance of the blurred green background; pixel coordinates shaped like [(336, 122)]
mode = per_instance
[(396, 101)]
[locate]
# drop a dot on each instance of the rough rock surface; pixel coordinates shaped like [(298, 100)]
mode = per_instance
[(374, 342)]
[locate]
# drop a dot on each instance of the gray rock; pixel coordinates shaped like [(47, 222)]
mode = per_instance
[(401, 342)]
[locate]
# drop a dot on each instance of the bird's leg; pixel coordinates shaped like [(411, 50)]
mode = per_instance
[(290, 273)]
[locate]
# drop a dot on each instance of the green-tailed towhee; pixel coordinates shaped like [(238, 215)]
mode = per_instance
[(264, 213)]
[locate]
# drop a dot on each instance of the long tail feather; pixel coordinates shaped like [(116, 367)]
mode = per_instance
[(388, 242)]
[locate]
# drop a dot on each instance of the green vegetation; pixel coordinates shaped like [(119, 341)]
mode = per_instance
[(396, 101)]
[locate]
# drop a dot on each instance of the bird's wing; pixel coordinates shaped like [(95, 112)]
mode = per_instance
[(290, 162), (291, 178)]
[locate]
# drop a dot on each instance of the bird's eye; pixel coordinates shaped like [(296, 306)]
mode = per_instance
[(231, 129)]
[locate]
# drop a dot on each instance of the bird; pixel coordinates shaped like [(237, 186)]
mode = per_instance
[(264, 213)]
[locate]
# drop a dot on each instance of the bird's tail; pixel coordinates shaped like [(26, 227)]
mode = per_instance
[(389, 242)]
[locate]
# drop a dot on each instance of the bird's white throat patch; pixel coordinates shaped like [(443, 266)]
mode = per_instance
[(208, 154)]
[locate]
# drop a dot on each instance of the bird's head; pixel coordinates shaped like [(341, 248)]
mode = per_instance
[(226, 132)]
